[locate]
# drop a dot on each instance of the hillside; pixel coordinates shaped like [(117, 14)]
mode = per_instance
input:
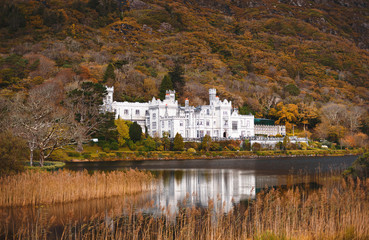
[(290, 60)]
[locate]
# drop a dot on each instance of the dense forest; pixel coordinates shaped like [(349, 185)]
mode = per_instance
[(302, 63)]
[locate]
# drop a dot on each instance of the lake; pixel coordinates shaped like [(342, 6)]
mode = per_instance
[(186, 183)]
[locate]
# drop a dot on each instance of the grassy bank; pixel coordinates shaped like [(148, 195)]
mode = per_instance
[(173, 155), (334, 212), (43, 187)]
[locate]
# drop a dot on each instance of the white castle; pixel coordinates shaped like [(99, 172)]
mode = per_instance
[(218, 119)]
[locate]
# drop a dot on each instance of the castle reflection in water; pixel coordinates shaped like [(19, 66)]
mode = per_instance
[(196, 187)]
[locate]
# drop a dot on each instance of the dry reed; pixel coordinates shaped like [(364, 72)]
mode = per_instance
[(340, 211), (41, 187)]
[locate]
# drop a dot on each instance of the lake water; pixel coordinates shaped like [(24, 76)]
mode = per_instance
[(228, 181), (186, 183)]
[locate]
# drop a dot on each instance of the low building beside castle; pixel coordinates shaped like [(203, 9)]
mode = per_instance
[(218, 119)]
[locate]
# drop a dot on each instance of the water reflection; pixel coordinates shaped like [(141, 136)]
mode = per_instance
[(195, 187)]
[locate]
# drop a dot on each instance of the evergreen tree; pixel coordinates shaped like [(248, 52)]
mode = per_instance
[(109, 73), (176, 75), (166, 84), (178, 143), (135, 132)]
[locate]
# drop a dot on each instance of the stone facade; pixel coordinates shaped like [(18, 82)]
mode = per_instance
[(218, 119)]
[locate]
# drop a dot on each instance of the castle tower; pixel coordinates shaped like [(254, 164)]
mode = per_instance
[(109, 96), (170, 95), (212, 94)]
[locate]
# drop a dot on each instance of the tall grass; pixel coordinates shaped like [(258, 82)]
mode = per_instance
[(340, 211), (41, 187)]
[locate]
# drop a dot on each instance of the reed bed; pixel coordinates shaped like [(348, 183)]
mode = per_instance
[(340, 211), (41, 187)]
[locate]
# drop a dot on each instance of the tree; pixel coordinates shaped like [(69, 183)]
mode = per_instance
[(123, 131), (135, 132), (286, 142), (176, 75), (41, 121), (178, 143), (150, 144), (84, 104), (206, 143), (292, 89), (166, 141), (12, 151), (109, 73), (166, 84)]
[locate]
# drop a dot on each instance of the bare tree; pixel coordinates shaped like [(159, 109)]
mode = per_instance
[(84, 103), (353, 118), (334, 113), (38, 119)]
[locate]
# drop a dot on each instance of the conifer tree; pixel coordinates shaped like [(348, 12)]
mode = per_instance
[(135, 132), (166, 84), (109, 73), (176, 75), (178, 143)]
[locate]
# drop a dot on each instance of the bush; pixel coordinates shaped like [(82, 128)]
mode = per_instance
[(12, 151), (114, 146), (292, 89), (132, 146), (256, 147), (86, 155), (360, 168), (191, 150), (215, 147), (59, 155), (149, 144), (73, 154)]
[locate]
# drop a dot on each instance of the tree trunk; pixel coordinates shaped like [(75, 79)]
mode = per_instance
[(31, 157), (42, 158), (79, 146)]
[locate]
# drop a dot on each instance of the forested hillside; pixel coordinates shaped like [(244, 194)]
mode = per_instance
[(300, 62)]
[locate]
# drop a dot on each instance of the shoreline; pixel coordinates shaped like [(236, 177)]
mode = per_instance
[(149, 156)]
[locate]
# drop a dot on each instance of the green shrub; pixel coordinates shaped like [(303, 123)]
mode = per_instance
[(59, 155), (114, 146), (132, 146), (86, 155), (74, 154)]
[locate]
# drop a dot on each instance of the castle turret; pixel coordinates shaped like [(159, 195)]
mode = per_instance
[(108, 101), (170, 95), (212, 94)]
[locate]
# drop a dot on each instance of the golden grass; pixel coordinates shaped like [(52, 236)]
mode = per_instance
[(41, 187), (339, 211)]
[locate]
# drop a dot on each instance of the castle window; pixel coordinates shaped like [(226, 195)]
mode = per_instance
[(225, 122), (234, 125), (137, 112), (154, 116), (208, 133), (207, 123), (247, 123), (153, 125), (125, 111), (207, 111), (162, 124), (181, 123), (225, 113)]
